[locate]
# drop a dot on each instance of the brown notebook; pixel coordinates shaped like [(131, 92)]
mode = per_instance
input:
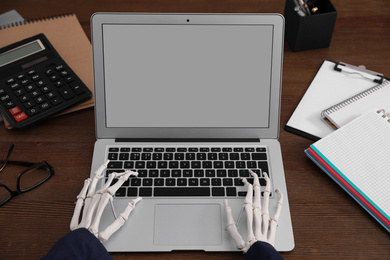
[(67, 36)]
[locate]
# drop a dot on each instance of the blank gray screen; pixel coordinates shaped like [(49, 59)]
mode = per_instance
[(187, 75)]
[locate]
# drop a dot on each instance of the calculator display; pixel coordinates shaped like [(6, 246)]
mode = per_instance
[(21, 52)]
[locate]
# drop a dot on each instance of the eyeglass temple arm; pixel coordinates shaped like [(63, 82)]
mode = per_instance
[(11, 148)]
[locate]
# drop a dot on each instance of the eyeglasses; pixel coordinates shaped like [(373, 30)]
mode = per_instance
[(30, 178)]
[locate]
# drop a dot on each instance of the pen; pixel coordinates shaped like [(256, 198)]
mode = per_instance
[(306, 8), (298, 9)]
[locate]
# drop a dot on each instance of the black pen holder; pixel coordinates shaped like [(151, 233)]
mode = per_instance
[(306, 32)]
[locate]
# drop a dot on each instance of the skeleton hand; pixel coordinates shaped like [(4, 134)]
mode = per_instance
[(264, 227), (98, 201)]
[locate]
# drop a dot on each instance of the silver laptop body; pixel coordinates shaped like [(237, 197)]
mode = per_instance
[(176, 82)]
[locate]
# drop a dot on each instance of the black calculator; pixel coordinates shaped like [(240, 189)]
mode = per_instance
[(36, 83)]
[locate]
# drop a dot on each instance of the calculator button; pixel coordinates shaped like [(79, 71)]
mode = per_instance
[(32, 111), (9, 104), (44, 106), (14, 110), (69, 79), (36, 77), (20, 117), (77, 89), (31, 72), (64, 73), (5, 98), (25, 82), (40, 83), (60, 67), (66, 93), (24, 98), (49, 71), (34, 94), (28, 104), (21, 76), (59, 83), (54, 77), (45, 89), (39, 100), (30, 87), (10, 81), (50, 95), (15, 86), (19, 92), (55, 101)]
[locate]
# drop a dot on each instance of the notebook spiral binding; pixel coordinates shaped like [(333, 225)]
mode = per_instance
[(355, 98), (10, 25), (384, 114)]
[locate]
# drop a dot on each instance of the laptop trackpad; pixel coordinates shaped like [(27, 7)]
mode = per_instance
[(187, 224)]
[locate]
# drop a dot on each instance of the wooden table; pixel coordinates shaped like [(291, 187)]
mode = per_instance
[(327, 222)]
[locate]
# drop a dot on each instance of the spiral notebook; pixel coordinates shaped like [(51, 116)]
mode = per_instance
[(68, 38), (343, 112), (357, 157)]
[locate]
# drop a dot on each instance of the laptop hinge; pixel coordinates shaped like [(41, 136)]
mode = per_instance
[(186, 140)]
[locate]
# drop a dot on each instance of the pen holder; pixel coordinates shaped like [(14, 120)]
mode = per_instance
[(304, 31)]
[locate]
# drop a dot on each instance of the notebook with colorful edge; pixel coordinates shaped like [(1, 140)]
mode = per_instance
[(356, 156)]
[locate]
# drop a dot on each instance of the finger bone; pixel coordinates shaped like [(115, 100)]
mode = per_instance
[(232, 228), (79, 204), (119, 221), (100, 208)]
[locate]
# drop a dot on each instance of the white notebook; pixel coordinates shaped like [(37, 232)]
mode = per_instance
[(358, 155), (343, 112)]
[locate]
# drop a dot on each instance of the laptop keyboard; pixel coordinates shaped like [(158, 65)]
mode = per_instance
[(187, 171)]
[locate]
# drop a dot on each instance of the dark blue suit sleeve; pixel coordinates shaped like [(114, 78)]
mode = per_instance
[(81, 244), (78, 244), (262, 251)]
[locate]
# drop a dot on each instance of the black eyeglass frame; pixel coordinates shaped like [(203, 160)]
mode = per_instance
[(31, 166)]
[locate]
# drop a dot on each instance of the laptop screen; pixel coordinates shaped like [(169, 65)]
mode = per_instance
[(188, 75)]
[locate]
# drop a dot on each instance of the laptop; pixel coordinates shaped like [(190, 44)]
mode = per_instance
[(190, 102)]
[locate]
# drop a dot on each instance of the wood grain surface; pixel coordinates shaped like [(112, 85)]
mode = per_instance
[(327, 223)]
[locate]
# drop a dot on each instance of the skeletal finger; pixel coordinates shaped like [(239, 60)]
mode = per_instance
[(265, 210), (257, 206), (275, 219), (231, 227), (79, 204), (94, 228), (91, 191), (88, 213), (119, 221), (248, 206), (97, 176)]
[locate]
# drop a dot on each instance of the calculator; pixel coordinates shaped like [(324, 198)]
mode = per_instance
[(36, 83)]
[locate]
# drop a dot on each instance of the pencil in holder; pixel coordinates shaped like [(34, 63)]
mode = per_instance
[(309, 24)]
